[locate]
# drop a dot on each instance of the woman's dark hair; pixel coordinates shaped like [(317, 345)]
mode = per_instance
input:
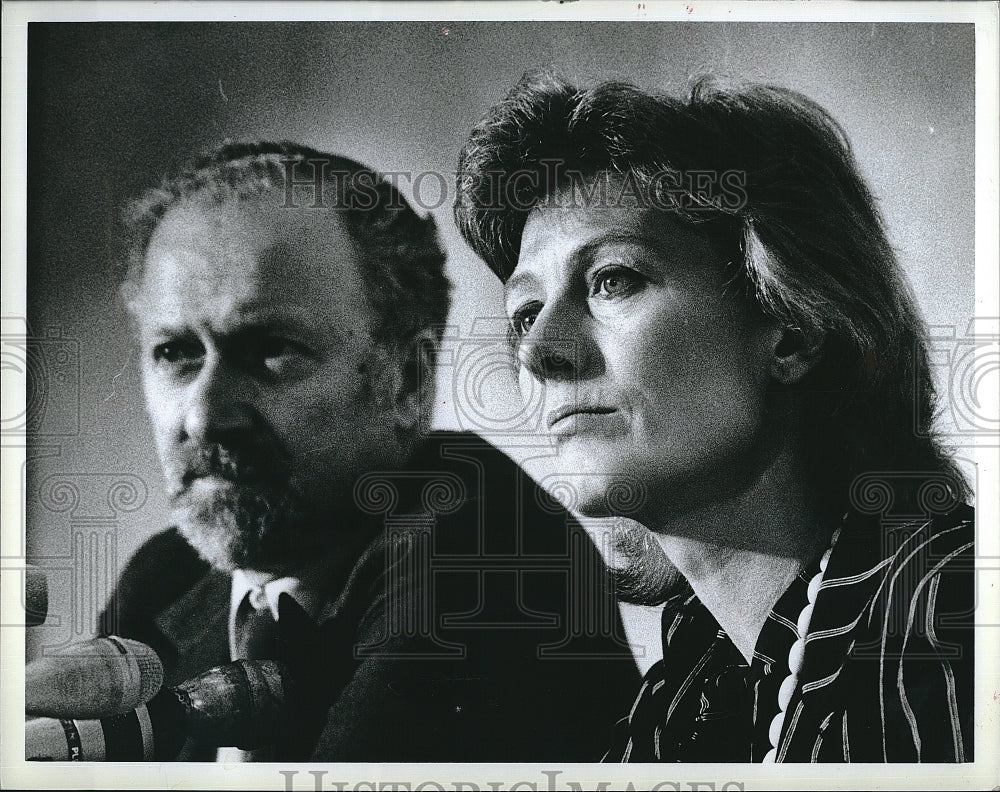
[(767, 174)]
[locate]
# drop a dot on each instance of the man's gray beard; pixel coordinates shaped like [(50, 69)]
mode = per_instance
[(242, 527), (642, 573)]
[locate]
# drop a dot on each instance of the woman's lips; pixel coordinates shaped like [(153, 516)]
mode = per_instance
[(565, 421)]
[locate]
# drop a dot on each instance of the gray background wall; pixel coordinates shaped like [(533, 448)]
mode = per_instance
[(112, 107)]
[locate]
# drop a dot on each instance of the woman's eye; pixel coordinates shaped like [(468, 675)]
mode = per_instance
[(523, 319), (615, 282)]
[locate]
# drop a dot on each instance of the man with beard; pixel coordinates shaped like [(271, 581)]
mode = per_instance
[(289, 306)]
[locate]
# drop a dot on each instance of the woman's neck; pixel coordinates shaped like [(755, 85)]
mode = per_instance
[(741, 554), (739, 587)]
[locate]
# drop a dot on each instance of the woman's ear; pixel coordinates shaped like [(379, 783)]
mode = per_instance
[(794, 354)]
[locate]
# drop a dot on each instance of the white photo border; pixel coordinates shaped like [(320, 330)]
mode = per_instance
[(15, 773)]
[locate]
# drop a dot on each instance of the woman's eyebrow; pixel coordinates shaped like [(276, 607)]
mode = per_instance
[(518, 281), (588, 251), (585, 254)]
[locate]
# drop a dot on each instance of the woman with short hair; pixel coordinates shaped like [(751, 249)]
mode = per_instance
[(705, 290)]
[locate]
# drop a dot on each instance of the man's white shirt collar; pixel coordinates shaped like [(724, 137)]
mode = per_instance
[(264, 592)]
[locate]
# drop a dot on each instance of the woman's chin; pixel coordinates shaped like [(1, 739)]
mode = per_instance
[(596, 493)]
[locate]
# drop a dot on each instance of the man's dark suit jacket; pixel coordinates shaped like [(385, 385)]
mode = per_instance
[(478, 625)]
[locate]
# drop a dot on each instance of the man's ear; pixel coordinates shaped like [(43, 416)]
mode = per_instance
[(413, 385), (794, 354)]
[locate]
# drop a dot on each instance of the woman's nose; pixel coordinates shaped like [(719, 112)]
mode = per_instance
[(557, 346)]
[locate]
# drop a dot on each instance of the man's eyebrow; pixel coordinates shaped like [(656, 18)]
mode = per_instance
[(246, 327), (167, 330), (296, 327), (268, 324)]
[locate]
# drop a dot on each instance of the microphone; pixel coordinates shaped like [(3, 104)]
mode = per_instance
[(152, 732), (241, 704), (92, 679), (36, 596)]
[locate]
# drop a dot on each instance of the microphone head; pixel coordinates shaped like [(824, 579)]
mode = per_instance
[(147, 676), (36, 596), (241, 704), (92, 679)]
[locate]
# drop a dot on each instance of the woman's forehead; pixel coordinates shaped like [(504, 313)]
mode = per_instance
[(555, 235)]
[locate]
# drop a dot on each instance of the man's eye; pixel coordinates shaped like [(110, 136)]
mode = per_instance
[(615, 282), (177, 352), (270, 348), (276, 355)]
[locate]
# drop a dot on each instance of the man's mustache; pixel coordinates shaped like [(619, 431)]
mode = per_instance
[(241, 465)]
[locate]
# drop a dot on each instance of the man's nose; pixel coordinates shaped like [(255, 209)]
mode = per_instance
[(558, 346), (217, 403)]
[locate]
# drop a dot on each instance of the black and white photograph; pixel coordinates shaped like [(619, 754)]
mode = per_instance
[(516, 395)]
